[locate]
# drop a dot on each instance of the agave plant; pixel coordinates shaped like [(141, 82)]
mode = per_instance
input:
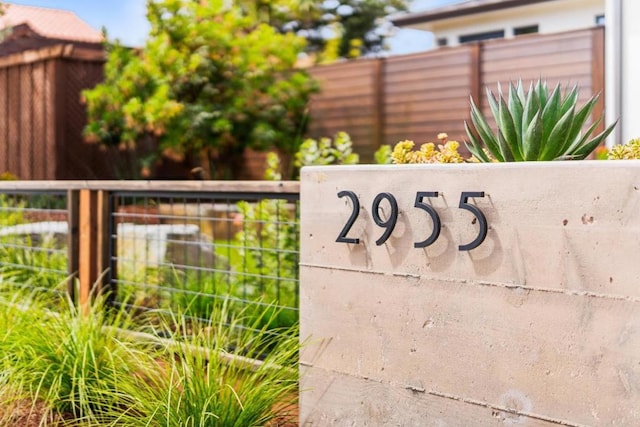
[(536, 125)]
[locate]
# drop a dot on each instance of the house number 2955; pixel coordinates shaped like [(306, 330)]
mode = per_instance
[(391, 220)]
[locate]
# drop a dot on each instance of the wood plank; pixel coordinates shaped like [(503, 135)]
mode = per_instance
[(346, 122), (518, 49), (73, 242), (4, 120), (26, 123), (574, 59), (431, 74), (351, 70), (453, 82), (449, 105), (50, 125), (88, 229), (342, 111), (39, 120), (13, 135), (597, 75), (421, 132), (552, 76), (440, 59), (273, 188), (357, 87), (436, 93)]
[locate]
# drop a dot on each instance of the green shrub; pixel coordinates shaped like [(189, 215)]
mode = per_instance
[(327, 151), (68, 361), (200, 384), (534, 125), (98, 368)]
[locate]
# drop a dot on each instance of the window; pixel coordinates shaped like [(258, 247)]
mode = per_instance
[(600, 20), (529, 29), (442, 41), (498, 34)]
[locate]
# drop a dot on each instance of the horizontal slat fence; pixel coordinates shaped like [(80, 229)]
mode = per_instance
[(383, 101)]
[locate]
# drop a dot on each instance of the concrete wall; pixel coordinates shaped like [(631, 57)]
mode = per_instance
[(551, 17), (539, 325)]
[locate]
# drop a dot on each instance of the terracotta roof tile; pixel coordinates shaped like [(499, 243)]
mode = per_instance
[(50, 23)]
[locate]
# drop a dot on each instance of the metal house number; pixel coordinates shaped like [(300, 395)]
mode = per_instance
[(390, 222)]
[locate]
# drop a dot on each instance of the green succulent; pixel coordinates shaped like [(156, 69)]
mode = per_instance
[(536, 125)]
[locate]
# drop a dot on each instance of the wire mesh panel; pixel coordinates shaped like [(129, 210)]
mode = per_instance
[(188, 253), (33, 240)]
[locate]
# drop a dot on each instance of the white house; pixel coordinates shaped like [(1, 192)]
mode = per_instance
[(475, 20)]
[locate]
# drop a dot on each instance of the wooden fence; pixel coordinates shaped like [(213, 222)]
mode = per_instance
[(377, 101), (41, 116), (383, 101)]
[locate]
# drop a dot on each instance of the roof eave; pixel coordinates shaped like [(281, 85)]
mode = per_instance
[(456, 11)]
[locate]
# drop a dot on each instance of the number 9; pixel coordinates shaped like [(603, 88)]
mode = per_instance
[(390, 223)]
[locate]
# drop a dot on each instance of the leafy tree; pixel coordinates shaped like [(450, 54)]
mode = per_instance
[(333, 28), (210, 81)]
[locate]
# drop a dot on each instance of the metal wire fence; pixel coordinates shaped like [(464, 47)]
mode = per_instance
[(168, 248), (33, 240), (185, 252)]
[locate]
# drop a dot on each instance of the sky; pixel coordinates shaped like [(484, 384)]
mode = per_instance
[(126, 20)]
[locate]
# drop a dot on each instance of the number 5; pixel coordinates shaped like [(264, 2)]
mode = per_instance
[(434, 217), (482, 221)]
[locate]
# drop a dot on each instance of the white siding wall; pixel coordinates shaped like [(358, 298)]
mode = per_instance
[(622, 65), (551, 17)]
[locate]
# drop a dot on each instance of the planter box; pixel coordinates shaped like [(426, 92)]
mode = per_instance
[(539, 324)]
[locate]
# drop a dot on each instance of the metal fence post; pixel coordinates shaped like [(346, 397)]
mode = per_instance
[(73, 241)]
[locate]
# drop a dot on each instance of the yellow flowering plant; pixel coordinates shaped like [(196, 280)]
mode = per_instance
[(628, 151), (445, 152)]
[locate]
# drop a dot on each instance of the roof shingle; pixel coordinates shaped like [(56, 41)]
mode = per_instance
[(50, 23)]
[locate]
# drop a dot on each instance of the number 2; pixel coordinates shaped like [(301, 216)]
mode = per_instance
[(342, 237)]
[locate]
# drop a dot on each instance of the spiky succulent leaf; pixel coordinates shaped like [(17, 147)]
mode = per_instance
[(543, 92), (531, 107), (585, 149), (520, 91), (534, 125), (532, 138), (516, 108), (550, 112), (556, 140), (579, 142), (475, 147), (507, 155), (511, 140), (493, 104), (569, 100), (485, 133), (579, 120)]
